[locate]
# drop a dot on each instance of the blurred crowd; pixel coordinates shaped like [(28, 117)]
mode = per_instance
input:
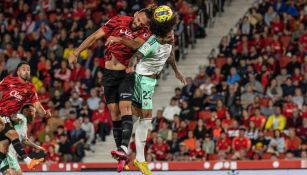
[(45, 33), (250, 102)]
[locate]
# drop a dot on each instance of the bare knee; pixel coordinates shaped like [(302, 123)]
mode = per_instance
[(125, 108), (9, 172), (114, 111), (147, 113)]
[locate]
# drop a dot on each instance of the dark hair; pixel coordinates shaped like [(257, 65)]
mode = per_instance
[(26, 106), (19, 65), (161, 29), (148, 11)]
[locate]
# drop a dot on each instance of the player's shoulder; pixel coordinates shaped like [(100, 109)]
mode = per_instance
[(152, 40), (22, 117)]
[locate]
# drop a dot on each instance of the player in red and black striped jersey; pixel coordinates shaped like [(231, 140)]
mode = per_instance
[(17, 90), (124, 35)]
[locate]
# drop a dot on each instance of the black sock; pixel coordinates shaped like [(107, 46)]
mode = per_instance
[(19, 148), (117, 132), (127, 125)]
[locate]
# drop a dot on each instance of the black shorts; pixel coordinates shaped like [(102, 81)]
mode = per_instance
[(118, 85), (8, 126)]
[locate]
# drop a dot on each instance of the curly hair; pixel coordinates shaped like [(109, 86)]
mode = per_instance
[(161, 29)]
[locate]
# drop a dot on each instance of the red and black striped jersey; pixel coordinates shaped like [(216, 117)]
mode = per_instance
[(15, 94), (119, 26)]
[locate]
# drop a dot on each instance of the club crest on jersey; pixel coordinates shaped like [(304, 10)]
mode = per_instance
[(16, 94), (126, 32)]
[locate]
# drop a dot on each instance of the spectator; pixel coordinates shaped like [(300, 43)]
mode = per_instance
[(102, 121), (78, 139), (241, 142), (69, 122), (258, 119), (269, 16), (160, 149), (198, 154), (75, 100), (190, 142), (171, 110), (200, 130), (276, 120), (248, 96), (165, 132), (88, 127), (293, 143), (208, 145), (277, 144), (65, 148), (260, 145), (223, 144), (93, 101), (233, 77), (52, 156), (302, 131), (274, 91), (188, 90)]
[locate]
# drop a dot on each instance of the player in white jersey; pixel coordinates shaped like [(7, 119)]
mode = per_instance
[(10, 165), (149, 61)]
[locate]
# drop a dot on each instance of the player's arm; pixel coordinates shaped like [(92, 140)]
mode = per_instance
[(88, 42), (28, 142), (133, 44), (137, 56), (172, 61)]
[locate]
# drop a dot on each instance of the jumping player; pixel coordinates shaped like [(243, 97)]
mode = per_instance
[(149, 60), (10, 165), (17, 90), (118, 85)]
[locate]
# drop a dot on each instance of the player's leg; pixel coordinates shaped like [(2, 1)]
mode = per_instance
[(111, 83), (12, 135), (125, 103), (146, 87), (4, 165), (14, 165)]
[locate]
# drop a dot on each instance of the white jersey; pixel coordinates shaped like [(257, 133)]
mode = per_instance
[(155, 56), (22, 130)]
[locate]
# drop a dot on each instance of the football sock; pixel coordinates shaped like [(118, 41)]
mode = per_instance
[(140, 138)]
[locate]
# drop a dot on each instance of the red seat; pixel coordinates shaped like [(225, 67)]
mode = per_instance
[(220, 61), (283, 62), (213, 157), (282, 156), (266, 156)]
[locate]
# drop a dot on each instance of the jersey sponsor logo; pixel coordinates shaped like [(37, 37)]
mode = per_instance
[(16, 94), (145, 47), (126, 32)]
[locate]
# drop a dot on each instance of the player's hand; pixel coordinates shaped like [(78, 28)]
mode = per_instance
[(112, 39), (47, 114), (181, 77), (41, 148), (129, 70), (72, 59)]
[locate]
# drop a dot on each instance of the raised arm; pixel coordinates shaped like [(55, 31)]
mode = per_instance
[(86, 44), (40, 109), (172, 61), (133, 44)]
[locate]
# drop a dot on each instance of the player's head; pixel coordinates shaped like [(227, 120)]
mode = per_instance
[(23, 71), (164, 29), (141, 18), (29, 111)]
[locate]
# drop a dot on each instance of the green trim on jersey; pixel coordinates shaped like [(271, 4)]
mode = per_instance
[(149, 46)]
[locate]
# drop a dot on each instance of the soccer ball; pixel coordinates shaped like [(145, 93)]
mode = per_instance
[(163, 13)]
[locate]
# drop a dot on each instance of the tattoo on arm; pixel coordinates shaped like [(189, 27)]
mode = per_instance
[(135, 59)]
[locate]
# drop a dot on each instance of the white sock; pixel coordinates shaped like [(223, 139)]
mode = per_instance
[(140, 138), (27, 160), (124, 148)]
